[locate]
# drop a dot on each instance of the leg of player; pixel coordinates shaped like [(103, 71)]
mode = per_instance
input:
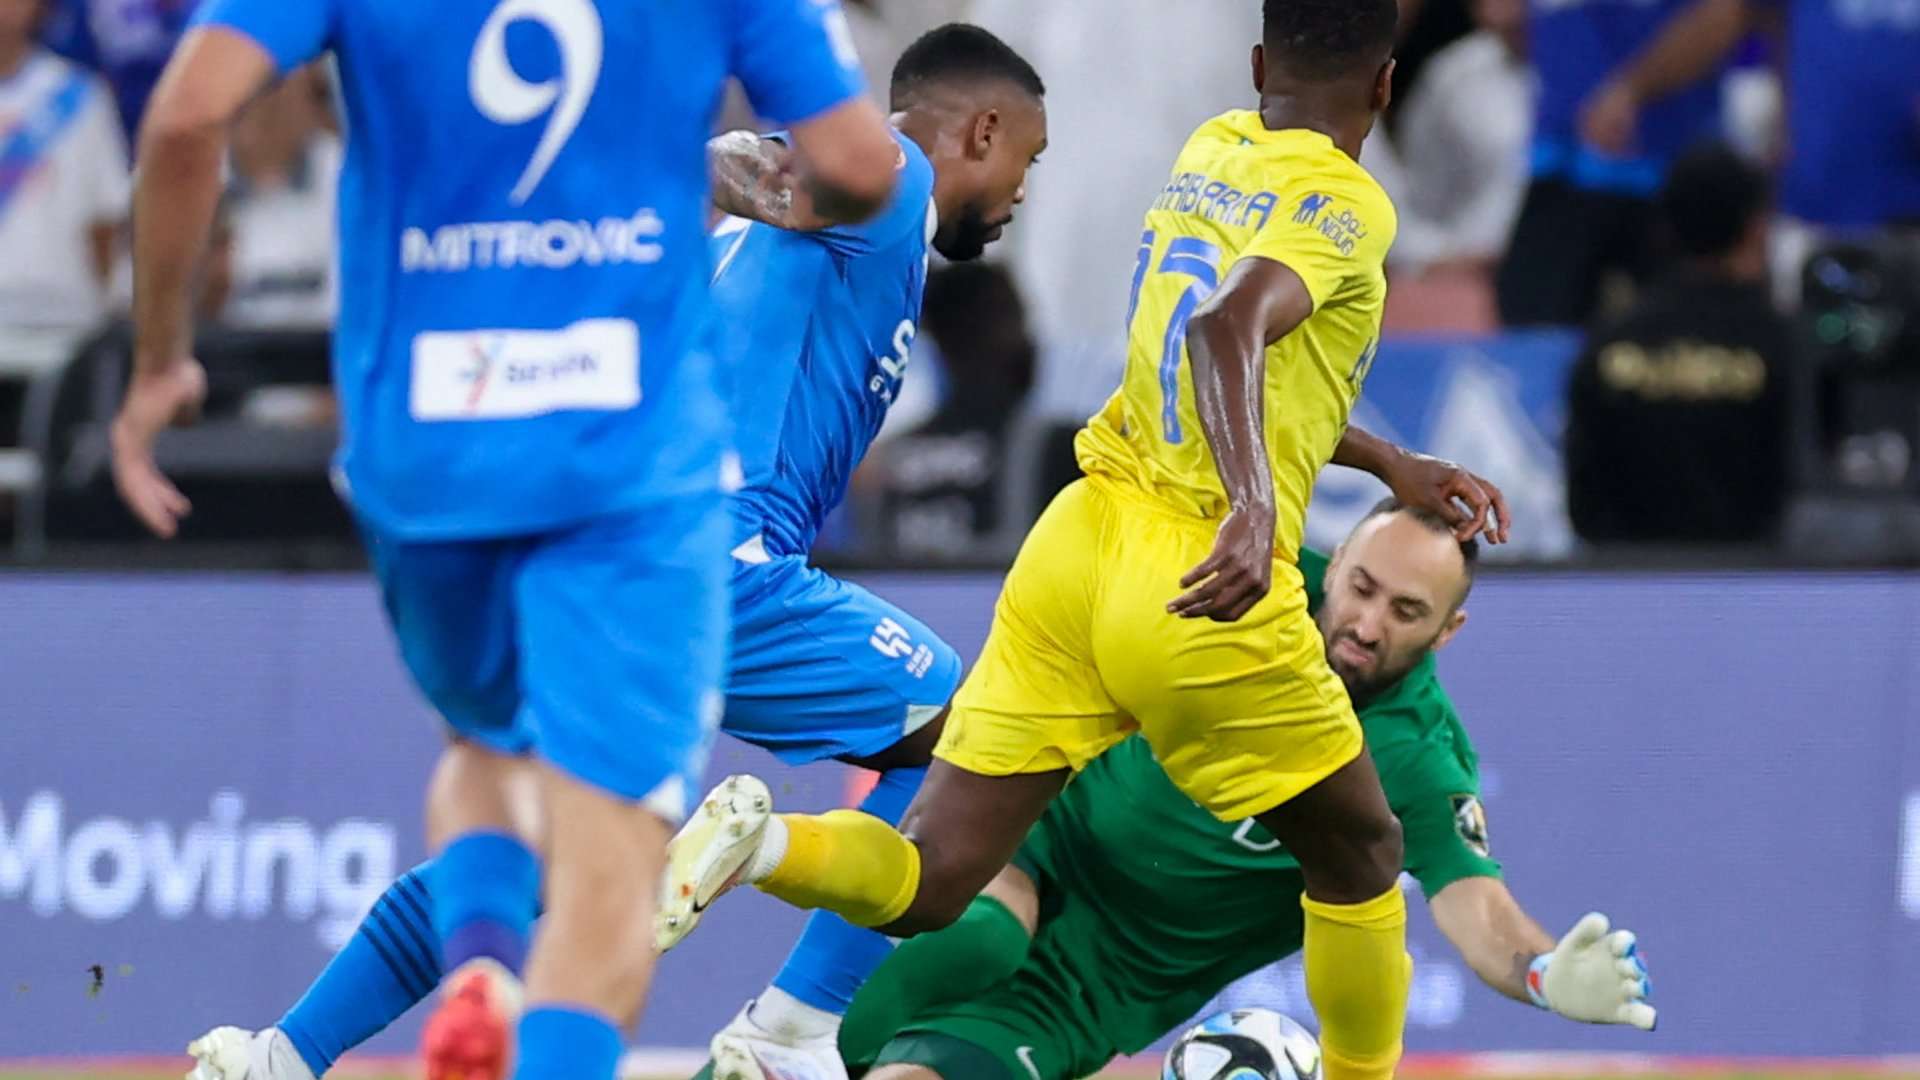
[(594, 961), (480, 804), (959, 831), (793, 1027), (391, 964), (958, 963), (1358, 971), (833, 957)]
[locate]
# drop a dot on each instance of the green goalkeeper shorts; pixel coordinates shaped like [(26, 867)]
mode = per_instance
[(1037, 1025)]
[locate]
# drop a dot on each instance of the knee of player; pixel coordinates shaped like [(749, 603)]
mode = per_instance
[(1385, 848), (948, 883)]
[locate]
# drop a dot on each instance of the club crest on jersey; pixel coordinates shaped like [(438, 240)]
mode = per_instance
[(1470, 821)]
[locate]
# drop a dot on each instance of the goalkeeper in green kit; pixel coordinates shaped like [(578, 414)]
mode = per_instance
[(1129, 907)]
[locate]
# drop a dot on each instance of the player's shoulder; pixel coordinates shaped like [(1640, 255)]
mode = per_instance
[(1415, 730), (907, 223), (1312, 183), (915, 189), (1322, 187)]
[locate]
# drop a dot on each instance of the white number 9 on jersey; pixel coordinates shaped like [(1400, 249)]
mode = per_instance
[(503, 97)]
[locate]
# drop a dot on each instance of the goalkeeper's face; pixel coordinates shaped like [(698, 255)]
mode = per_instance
[(1393, 593)]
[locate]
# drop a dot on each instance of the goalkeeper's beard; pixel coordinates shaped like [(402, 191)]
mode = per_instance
[(1364, 687)]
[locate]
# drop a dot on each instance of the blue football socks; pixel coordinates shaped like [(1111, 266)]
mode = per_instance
[(390, 964)]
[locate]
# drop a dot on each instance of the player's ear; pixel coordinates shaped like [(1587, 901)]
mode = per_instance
[(1259, 68), (986, 128), (1451, 627), (1383, 86)]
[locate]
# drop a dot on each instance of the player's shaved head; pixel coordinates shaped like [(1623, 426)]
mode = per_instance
[(1329, 40), (1394, 591), (1436, 525)]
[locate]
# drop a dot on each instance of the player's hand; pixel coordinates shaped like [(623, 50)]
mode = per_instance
[(1442, 487), (1610, 119), (1236, 575), (155, 401), (1594, 976)]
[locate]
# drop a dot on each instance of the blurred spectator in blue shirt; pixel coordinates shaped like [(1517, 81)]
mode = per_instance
[(1853, 112), (1852, 140), (127, 41), (1625, 87)]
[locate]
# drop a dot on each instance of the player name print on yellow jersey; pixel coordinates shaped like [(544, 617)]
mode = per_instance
[(1236, 191), (1215, 200)]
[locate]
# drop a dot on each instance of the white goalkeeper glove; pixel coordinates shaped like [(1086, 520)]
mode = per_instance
[(1594, 976)]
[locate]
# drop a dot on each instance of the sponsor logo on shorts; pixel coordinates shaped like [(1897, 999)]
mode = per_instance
[(1470, 821), (892, 640)]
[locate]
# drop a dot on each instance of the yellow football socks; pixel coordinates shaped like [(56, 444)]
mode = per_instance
[(850, 863), (1358, 972)]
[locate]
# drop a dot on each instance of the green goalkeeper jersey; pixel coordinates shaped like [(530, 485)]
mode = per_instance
[(1182, 904)]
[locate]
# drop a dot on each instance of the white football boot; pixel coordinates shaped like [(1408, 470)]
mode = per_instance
[(709, 855), (746, 1051), (231, 1053)]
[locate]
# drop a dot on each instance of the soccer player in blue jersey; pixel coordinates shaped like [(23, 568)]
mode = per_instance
[(533, 440), (813, 322)]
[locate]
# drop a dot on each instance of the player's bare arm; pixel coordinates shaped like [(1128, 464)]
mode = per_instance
[(1593, 974), (183, 145), (846, 161), (1430, 483), (1260, 302), (754, 178)]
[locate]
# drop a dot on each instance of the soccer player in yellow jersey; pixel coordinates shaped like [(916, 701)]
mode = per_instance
[(1255, 312)]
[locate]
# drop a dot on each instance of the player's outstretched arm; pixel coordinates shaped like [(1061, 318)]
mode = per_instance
[(1430, 483), (847, 161), (754, 177), (1260, 302), (183, 143), (1593, 975)]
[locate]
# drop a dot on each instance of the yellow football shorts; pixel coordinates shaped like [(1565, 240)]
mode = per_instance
[(1243, 716)]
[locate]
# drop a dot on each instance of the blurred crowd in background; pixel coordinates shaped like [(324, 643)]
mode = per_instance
[(1722, 196)]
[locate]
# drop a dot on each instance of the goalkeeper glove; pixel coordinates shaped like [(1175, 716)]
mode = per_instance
[(1594, 976)]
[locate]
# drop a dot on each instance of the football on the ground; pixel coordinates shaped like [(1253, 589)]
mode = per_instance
[(1244, 1044)]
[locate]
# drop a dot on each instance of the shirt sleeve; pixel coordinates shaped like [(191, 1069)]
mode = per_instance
[(291, 31), (1329, 233), (905, 213), (794, 57), (1446, 836)]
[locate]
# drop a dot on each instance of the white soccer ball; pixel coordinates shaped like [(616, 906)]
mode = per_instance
[(1244, 1044)]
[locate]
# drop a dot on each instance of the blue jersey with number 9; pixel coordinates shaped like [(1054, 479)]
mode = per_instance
[(523, 263), (1241, 191)]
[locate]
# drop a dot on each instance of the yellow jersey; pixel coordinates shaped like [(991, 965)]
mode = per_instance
[(1239, 190)]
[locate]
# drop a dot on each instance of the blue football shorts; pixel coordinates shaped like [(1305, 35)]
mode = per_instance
[(600, 647), (823, 668)]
